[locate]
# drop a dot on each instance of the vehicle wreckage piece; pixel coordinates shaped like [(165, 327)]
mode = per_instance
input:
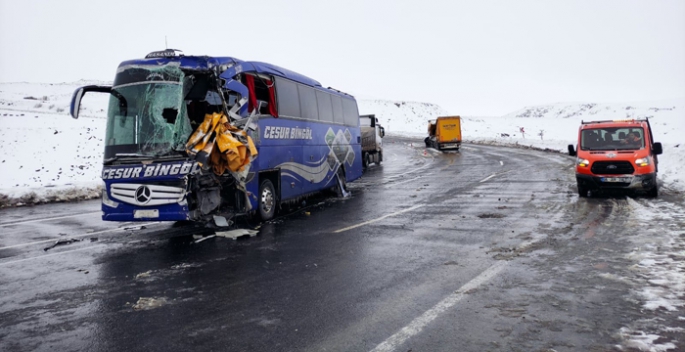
[(221, 146)]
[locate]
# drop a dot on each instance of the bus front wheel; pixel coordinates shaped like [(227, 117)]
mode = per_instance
[(267, 200)]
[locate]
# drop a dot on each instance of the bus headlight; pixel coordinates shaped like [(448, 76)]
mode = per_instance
[(642, 162), (583, 162), (105, 198)]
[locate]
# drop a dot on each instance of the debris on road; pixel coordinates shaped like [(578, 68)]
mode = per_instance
[(144, 275), (200, 238), (221, 221), (147, 303), (61, 243), (491, 216), (234, 234)]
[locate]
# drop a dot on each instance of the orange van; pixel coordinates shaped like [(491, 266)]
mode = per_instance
[(616, 155)]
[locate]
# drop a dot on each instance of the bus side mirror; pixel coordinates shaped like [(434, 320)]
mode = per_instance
[(78, 95), (657, 148), (571, 150)]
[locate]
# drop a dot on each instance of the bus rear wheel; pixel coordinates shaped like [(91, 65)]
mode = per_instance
[(267, 200), (341, 188)]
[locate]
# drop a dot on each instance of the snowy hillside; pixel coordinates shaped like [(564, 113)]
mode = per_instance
[(400, 116), (47, 155), (548, 126)]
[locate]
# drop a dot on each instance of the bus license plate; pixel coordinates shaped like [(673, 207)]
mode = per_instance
[(615, 179), (148, 213)]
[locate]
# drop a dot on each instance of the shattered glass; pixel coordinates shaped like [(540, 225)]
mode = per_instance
[(155, 121)]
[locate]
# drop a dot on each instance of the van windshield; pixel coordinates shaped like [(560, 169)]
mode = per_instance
[(613, 138)]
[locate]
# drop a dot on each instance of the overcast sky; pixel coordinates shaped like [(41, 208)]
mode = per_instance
[(471, 57)]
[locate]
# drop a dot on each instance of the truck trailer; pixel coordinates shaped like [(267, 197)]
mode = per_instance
[(372, 140)]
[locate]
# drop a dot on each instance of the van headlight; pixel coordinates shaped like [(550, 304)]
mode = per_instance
[(105, 198), (642, 162), (583, 162)]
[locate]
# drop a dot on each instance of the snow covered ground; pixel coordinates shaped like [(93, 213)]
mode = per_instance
[(48, 156)]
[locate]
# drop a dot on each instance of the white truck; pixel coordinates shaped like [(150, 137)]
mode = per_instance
[(372, 140)]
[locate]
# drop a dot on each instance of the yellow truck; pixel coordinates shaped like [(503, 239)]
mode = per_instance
[(444, 133)]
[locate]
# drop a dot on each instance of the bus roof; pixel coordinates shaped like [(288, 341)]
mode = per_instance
[(201, 63)]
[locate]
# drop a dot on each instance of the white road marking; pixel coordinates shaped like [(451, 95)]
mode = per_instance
[(408, 172), (45, 219), (51, 255), (76, 236), (415, 327), (487, 178), (379, 219), (399, 183)]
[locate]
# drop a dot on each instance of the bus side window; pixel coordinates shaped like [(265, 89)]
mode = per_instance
[(288, 98), (338, 117), (350, 112), (323, 100), (308, 107)]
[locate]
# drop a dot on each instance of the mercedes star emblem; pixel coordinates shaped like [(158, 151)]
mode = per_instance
[(143, 194)]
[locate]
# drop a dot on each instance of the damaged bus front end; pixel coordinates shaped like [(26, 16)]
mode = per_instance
[(178, 142)]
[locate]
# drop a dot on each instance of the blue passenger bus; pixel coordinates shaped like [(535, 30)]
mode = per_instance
[(307, 138)]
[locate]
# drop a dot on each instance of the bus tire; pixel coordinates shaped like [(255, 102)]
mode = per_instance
[(267, 200), (341, 176)]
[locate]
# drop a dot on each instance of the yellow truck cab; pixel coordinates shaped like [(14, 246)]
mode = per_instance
[(616, 155), (444, 133)]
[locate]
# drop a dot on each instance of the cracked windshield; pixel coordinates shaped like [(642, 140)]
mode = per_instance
[(147, 115)]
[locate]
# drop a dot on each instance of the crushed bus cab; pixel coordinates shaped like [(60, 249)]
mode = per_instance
[(193, 137), (616, 155)]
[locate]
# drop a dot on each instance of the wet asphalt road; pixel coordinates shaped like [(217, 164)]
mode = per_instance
[(489, 249)]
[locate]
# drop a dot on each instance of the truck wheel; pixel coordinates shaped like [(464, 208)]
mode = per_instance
[(267, 200), (365, 160), (428, 142), (380, 157), (582, 191), (654, 192)]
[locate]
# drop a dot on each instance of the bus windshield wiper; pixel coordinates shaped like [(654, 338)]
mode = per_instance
[(117, 156)]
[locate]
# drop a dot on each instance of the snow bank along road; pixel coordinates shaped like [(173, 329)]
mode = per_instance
[(487, 249)]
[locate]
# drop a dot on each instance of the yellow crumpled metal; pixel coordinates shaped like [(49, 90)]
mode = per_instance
[(221, 141)]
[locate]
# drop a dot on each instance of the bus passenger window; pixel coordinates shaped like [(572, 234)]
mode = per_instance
[(308, 107), (323, 100), (350, 112), (336, 102), (288, 98)]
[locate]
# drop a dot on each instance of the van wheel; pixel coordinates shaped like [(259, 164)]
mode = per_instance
[(267, 200), (654, 192), (582, 191)]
